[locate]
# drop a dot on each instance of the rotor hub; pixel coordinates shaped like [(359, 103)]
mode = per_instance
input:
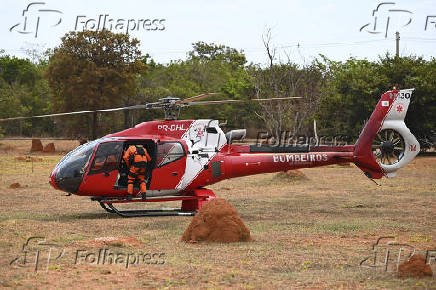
[(168, 100), (387, 147)]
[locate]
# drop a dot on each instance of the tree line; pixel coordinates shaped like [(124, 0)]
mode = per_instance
[(99, 70)]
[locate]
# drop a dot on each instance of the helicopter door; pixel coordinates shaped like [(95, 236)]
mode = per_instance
[(170, 165), (103, 171)]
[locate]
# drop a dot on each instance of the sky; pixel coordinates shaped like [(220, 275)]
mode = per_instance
[(300, 29)]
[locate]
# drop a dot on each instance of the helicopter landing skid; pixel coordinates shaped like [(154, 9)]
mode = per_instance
[(146, 212), (190, 204)]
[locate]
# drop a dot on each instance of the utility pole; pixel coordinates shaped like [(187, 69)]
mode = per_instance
[(397, 40)]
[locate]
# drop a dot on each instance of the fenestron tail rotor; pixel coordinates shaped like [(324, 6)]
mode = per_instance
[(170, 105), (388, 147)]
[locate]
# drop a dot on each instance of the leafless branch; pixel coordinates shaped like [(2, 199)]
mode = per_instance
[(284, 79)]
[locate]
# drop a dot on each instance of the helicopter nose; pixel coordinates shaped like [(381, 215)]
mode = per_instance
[(66, 177), (52, 180)]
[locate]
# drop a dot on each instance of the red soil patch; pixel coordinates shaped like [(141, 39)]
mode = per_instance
[(36, 145), (28, 159), (292, 175), (217, 221), (15, 185), (111, 241), (49, 148), (415, 267)]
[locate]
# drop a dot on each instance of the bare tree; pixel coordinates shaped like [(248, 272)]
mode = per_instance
[(284, 79)]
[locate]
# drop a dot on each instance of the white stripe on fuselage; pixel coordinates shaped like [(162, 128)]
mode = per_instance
[(195, 138)]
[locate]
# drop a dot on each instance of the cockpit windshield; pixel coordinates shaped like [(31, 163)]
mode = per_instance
[(80, 152), (72, 167)]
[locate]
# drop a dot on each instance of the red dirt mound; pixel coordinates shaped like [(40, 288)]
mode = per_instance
[(15, 185), (292, 175), (217, 221), (50, 148), (36, 145), (415, 267)]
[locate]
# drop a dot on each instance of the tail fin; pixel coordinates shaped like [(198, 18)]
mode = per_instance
[(385, 143)]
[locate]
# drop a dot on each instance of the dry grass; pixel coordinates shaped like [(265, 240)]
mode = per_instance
[(310, 233), (23, 146)]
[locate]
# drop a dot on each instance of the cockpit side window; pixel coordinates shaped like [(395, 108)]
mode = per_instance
[(107, 157), (168, 152)]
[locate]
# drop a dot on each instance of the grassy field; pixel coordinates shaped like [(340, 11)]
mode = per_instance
[(310, 233)]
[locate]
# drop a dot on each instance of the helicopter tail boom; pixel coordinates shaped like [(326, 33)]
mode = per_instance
[(385, 143)]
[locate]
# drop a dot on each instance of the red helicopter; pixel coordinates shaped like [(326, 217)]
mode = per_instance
[(188, 155)]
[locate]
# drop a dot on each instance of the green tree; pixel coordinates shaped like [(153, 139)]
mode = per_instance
[(14, 70), (92, 70), (415, 72), (349, 96), (209, 51), (23, 91), (353, 88), (208, 68)]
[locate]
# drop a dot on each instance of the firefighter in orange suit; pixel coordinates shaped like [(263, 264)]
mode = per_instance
[(136, 159)]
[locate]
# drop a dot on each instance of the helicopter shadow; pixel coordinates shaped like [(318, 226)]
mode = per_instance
[(80, 216)]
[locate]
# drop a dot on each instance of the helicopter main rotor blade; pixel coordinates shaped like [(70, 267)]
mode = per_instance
[(80, 112), (240, 101), (194, 98), (45, 116), (135, 107), (156, 105)]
